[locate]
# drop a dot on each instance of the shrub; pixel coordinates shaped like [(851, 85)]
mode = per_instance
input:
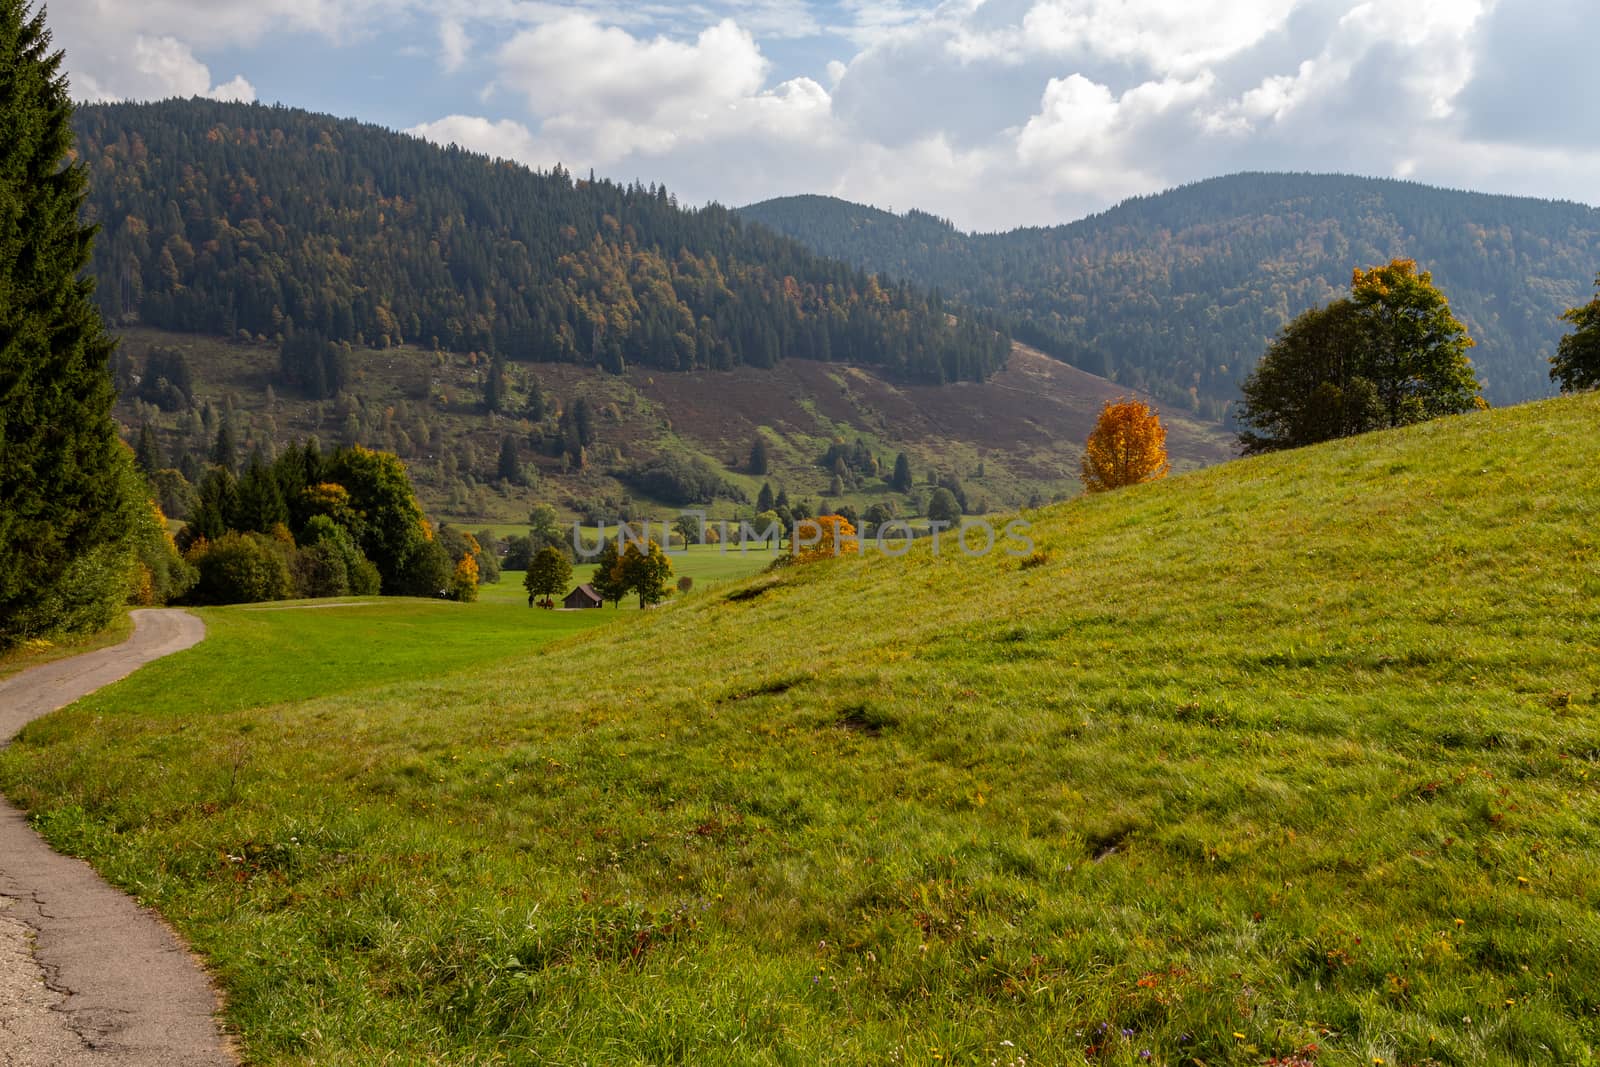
[(488, 557), (464, 581), (519, 552), (239, 569), (426, 571), (319, 570), (681, 480), (161, 574)]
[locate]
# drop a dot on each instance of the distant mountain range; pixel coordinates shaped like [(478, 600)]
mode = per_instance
[(1179, 293)]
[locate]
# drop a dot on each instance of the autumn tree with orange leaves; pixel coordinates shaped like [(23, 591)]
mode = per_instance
[(824, 538), (1128, 446)]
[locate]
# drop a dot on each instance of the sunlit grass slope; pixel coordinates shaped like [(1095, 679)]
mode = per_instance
[(1298, 751)]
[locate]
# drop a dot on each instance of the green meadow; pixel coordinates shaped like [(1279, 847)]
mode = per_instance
[(1292, 760)]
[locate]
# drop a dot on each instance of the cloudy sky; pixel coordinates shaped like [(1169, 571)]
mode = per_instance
[(994, 113)]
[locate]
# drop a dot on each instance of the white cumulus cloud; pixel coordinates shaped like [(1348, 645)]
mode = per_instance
[(991, 112)]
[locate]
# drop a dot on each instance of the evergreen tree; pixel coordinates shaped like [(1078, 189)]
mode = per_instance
[(69, 497), (764, 499), (147, 453), (758, 456), (260, 504), (494, 387), (902, 481), (583, 421), (509, 468), (536, 406), (223, 452)]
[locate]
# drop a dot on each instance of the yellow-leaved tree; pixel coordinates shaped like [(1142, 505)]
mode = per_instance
[(825, 538), (1128, 446)]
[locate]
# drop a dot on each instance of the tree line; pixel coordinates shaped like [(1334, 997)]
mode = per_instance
[(314, 525), (273, 223)]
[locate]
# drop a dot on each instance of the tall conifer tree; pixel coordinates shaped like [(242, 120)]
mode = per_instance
[(69, 496)]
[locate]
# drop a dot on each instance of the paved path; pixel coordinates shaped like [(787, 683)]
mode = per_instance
[(87, 977)]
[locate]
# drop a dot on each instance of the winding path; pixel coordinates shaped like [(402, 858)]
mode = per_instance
[(87, 977)]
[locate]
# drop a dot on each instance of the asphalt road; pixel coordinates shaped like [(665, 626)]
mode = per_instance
[(88, 978)]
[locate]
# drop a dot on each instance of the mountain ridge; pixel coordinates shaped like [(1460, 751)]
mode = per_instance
[(1179, 292), (265, 222)]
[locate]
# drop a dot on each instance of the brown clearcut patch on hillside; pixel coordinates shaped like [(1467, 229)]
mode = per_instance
[(1024, 428)]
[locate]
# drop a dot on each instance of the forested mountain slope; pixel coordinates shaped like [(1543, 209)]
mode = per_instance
[(1179, 293), (231, 219)]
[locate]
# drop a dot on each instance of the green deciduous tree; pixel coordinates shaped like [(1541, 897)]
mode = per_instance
[(689, 527), (1312, 385), (394, 534), (544, 528), (1417, 349), (361, 577), (608, 579), (519, 553), (69, 499), (1577, 360), (942, 507), (549, 574), (488, 557), (161, 574), (645, 571), (1391, 354)]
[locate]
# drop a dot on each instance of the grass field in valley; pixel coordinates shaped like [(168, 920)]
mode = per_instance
[(1295, 757)]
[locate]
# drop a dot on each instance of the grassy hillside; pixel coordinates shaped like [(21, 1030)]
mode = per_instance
[(1178, 293), (1295, 757), (1025, 426)]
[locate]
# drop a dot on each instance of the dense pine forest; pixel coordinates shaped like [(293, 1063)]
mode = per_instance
[(271, 223), (1179, 293)]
